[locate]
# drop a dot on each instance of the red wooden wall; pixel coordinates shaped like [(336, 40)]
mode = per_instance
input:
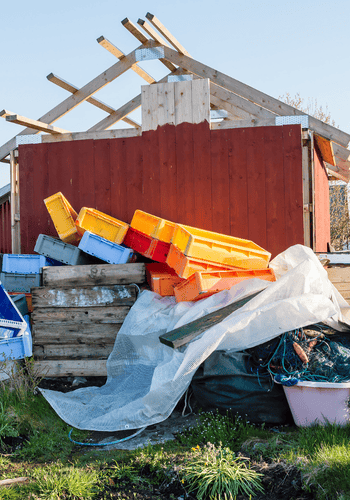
[(243, 182), (5, 227), (322, 212)]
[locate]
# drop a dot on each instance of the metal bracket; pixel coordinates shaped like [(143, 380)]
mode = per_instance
[(28, 139), (179, 78), (308, 208), (148, 54), (302, 120)]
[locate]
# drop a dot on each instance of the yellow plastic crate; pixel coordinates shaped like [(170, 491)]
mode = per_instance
[(219, 248), (204, 284), (186, 266), (153, 226), (63, 216), (101, 224)]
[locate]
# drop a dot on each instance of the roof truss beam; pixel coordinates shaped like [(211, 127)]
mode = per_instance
[(137, 33), (35, 124), (92, 100), (253, 95), (106, 44), (166, 34)]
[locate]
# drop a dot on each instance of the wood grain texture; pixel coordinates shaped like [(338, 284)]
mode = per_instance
[(73, 368)]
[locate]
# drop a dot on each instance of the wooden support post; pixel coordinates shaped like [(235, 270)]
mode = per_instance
[(307, 188), (15, 218)]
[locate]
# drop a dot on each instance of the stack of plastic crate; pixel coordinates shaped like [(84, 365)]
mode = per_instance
[(21, 272), (15, 332), (194, 263)]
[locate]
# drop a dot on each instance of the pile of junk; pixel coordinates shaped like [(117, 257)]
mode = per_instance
[(220, 321)]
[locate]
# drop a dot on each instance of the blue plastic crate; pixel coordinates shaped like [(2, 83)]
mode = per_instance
[(12, 322), (104, 249), (65, 253), (18, 347), (23, 263), (20, 282), (20, 302)]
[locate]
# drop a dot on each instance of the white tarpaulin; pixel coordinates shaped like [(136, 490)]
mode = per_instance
[(146, 379)]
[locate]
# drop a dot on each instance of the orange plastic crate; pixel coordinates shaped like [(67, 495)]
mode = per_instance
[(162, 279), (153, 226), (186, 266), (219, 248), (101, 224), (63, 216), (203, 284)]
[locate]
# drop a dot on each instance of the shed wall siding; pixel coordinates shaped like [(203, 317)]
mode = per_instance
[(322, 212), (5, 227), (243, 182)]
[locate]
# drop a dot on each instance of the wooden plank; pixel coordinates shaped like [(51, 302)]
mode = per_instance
[(149, 201), (232, 102), (275, 187), (257, 97), (98, 296), (149, 107), (184, 334), (75, 333), (166, 103), (71, 368), (119, 178), (256, 177), (200, 100), (169, 195), (95, 315), (220, 182), (137, 33), (92, 100), (86, 136), (183, 102), (166, 34), (15, 205), (120, 55), (307, 198), (22, 120), (339, 274), (70, 352), (253, 122), (151, 32), (185, 173), (234, 113), (203, 200), (237, 163), (340, 152), (102, 170), (326, 149), (339, 173)]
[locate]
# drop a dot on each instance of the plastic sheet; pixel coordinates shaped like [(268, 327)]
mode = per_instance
[(146, 379)]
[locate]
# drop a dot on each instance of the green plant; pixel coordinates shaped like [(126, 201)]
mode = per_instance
[(7, 424), (57, 481), (215, 472), (217, 428)]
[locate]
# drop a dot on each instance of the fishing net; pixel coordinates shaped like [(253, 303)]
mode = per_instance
[(316, 353)]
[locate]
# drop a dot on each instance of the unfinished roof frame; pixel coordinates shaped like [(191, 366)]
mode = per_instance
[(246, 106)]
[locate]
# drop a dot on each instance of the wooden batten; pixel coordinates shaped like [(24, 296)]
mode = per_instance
[(71, 368), (175, 103), (85, 136)]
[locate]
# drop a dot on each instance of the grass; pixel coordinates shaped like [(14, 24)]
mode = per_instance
[(220, 458)]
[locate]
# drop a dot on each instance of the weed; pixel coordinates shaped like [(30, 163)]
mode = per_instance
[(215, 472)]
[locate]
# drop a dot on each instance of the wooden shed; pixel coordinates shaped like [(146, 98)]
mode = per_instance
[(210, 152)]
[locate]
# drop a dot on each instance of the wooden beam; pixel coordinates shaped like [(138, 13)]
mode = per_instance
[(340, 152), (232, 102), (74, 100), (126, 108), (92, 100), (254, 122), (28, 122), (4, 160), (74, 367), (4, 113), (326, 150), (341, 173), (251, 94), (166, 34), (15, 205), (151, 32), (135, 30), (120, 55), (103, 134)]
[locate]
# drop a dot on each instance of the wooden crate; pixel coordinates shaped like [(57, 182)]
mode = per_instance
[(340, 277), (77, 316)]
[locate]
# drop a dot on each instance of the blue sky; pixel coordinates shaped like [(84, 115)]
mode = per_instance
[(274, 46)]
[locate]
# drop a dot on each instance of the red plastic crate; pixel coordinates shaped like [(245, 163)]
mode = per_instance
[(146, 246)]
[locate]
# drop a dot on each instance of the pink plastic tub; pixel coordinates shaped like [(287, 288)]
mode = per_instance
[(319, 403)]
